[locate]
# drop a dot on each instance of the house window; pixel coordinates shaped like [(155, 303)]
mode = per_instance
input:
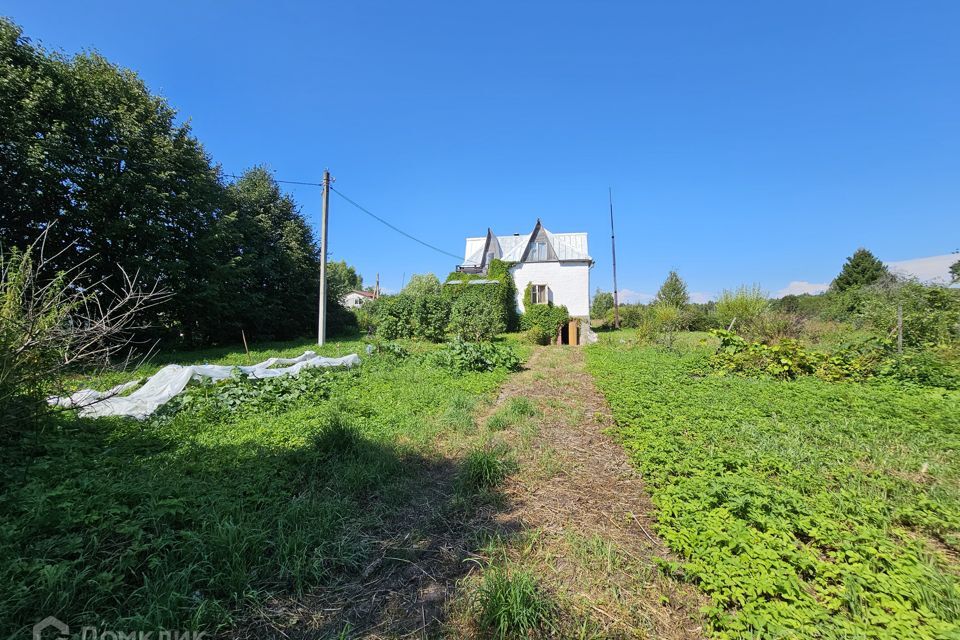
[(538, 252), (538, 294)]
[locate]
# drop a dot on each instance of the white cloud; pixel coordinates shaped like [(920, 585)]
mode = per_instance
[(701, 296), (798, 287), (931, 269), (630, 296)]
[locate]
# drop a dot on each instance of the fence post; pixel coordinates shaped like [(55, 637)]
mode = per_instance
[(899, 327)]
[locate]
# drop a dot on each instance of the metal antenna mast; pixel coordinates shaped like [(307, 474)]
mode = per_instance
[(613, 244)]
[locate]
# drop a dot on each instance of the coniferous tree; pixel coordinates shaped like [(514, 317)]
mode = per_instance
[(673, 291), (862, 268)]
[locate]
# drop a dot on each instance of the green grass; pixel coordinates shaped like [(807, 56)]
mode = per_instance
[(181, 521), (510, 604), (803, 509), (486, 466)]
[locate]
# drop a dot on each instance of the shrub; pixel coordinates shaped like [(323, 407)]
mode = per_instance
[(632, 316), (771, 327), (431, 315), (476, 356), (510, 604), (475, 320), (539, 335), (403, 316), (700, 317), (51, 323), (744, 304), (546, 319), (931, 314), (665, 321)]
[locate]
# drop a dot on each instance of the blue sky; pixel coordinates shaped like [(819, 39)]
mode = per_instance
[(744, 141)]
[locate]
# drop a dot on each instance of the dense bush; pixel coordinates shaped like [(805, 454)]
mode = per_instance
[(543, 321), (403, 316), (476, 356), (855, 360), (743, 304), (700, 317), (494, 290), (931, 314), (474, 321)]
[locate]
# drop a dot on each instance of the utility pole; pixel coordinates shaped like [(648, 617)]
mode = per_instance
[(322, 323), (613, 244), (376, 289)]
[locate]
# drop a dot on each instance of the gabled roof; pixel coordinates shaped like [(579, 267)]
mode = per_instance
[(512, 248)]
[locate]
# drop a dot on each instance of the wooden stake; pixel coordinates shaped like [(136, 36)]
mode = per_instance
[(244, 336)]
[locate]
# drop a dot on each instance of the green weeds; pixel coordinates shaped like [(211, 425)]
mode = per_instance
[(803, 508), (233, 495)]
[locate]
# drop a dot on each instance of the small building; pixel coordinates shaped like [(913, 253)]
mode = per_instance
[(356, 299), (555, 265)]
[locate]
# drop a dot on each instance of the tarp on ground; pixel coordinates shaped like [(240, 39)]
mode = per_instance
[(173, 379)]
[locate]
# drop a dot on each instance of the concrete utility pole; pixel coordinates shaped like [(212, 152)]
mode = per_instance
[(613, 243), (322, 324)]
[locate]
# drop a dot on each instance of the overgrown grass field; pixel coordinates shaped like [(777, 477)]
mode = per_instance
[(180, 521), (803, 509)]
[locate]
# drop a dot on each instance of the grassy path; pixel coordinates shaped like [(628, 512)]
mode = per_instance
[(570, 523), (582, 520)]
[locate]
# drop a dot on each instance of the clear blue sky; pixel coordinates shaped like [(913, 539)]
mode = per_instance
[(744, 141)]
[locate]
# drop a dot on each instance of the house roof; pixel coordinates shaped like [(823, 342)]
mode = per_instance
[(365, 294), (566, 246)]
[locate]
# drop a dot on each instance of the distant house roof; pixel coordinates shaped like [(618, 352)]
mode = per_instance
[(365, 294), (512, 248)]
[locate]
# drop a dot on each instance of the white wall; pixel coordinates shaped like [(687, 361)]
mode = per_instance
[(567, 282)]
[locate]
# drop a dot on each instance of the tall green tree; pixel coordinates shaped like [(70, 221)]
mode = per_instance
[(673, 291), (862, 268), (86, 148), (422, 284), (602, 302), (266, 268)]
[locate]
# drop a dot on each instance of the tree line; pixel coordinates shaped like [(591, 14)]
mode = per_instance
[(101, 167)]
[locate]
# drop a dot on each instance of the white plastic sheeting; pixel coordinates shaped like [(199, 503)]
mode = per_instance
[(173, 378)]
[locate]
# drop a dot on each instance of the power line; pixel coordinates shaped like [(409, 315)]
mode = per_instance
[(400, 231), (135, 162)]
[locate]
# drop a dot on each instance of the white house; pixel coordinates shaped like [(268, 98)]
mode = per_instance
[(556, 265), (356, 299)]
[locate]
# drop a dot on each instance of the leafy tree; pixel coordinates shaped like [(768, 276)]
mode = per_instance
[(84, 143), (673, 291), (421, 285), (862, 268), (602, 302), (342, 279), (955, 272), (266, 268)]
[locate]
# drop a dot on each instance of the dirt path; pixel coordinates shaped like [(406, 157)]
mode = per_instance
[(575, 515), (578, 495)]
